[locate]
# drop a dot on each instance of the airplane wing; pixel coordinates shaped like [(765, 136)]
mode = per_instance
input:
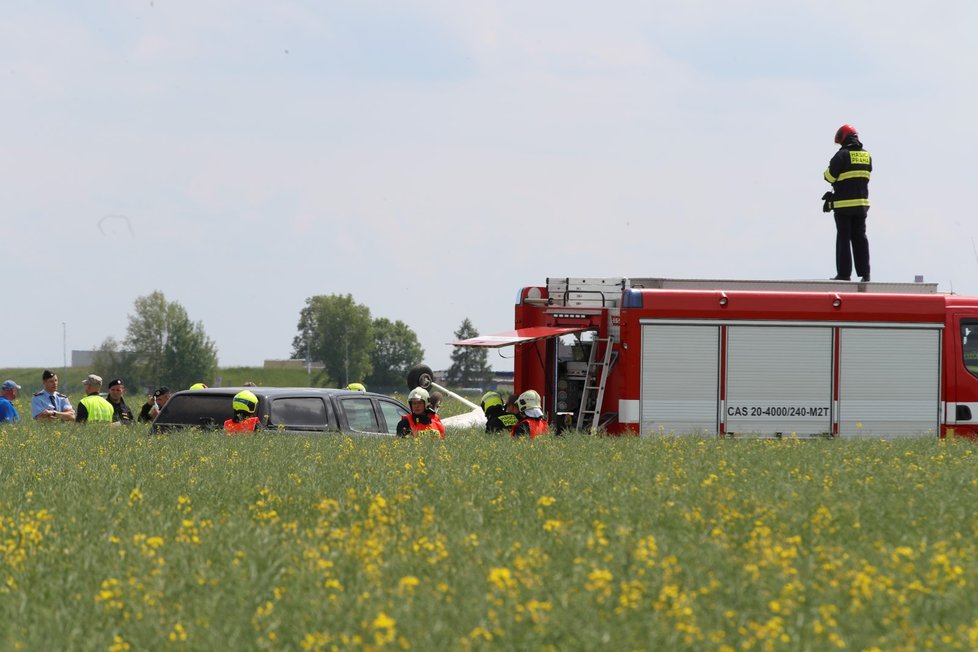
[(520, 336)]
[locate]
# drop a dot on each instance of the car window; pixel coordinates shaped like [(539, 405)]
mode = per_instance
[(301, 413), (392, 414), (360, 414), (194, 409)]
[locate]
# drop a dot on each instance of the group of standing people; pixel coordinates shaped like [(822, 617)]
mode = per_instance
[(49, 404), (520, 416)]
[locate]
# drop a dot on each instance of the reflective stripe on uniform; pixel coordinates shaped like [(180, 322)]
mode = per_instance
[(850, 203), (829, 177), (854, 174)]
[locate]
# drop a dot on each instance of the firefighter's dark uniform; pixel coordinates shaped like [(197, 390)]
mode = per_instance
[(848, 172), (499, 420)]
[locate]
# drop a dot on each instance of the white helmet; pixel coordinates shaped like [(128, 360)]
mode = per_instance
[(419, 394), (528, 399)]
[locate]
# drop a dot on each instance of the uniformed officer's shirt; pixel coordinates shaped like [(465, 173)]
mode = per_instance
[(42, 401)]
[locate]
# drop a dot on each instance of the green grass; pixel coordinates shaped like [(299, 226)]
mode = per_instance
[(111, 538)]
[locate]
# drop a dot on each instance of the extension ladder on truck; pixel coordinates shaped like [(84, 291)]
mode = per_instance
[(595, 379)]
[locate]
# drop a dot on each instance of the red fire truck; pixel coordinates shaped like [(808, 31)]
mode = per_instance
[(657, 356)]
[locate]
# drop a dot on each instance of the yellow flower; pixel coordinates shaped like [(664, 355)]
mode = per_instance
[(599, 581), (502, 578), (408, 583), (385, 629), (178, 633), (119, 644), (553, 525)]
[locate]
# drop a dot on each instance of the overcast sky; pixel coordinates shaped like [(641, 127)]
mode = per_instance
[(432, 157)]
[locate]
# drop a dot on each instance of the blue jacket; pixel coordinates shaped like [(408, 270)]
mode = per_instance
[(7, 411)]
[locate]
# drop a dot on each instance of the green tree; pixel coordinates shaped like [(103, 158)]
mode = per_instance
[(469, 367), (169, 348), (339, 333), (111, 360), (396, 350)]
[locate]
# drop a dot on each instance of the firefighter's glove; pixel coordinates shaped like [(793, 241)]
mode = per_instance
[(827, 202)]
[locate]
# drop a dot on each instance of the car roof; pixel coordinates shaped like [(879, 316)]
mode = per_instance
[(275, 392)]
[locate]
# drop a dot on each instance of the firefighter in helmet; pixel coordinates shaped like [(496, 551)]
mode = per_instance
[(357, 387), (848, 172), (497, 418), (244, 404), (531, 423), (198, 386), (421, 419)]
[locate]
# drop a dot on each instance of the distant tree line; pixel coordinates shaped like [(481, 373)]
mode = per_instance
[(354, 347), (163, 346)]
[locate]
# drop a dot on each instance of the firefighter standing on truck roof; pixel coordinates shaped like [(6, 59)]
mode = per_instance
[(848, 172), (421, 419), (532, 422)]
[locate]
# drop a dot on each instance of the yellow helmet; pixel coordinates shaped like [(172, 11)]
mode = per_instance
[(489, 399), (528, 399), (357, 387), (418, 394), (198, 386), (245, 401)]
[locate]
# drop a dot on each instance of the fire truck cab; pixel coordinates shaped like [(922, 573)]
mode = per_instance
[(655, 356)]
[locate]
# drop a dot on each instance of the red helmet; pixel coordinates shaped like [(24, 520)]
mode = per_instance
[(844, 132)]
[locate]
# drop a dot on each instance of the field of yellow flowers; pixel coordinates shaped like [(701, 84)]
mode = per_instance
[(111, 539)]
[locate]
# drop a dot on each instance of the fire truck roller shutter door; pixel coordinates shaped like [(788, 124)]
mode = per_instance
[(680, 372), (889, 381), (779, 380)]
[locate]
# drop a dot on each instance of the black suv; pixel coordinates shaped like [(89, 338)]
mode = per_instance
[(286, 409)]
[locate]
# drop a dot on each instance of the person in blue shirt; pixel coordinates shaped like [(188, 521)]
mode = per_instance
[(8, 393), (49, 404)]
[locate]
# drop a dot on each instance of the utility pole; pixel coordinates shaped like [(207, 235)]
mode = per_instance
[(64, 352), (308, 362)]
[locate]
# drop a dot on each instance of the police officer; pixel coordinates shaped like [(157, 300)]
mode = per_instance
[(498, 419), (154, 403), (49, 404), (848, 172), (121, 412)]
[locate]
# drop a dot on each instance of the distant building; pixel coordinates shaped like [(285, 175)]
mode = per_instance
[(82, 358), (500, 379)]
